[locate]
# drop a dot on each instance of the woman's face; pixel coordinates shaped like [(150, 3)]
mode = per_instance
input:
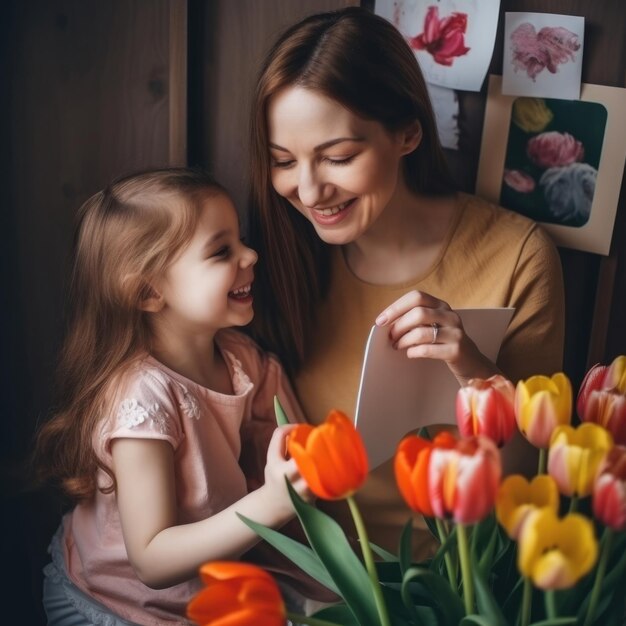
[(339, 170)]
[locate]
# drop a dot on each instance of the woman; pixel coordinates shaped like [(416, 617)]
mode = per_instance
[(356, 220)]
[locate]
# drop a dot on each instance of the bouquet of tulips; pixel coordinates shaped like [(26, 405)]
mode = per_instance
[(513, 552)]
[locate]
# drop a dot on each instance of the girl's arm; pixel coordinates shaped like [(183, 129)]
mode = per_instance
[(164, 553)]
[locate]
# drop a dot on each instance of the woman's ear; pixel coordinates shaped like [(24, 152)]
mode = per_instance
[(411, 137)]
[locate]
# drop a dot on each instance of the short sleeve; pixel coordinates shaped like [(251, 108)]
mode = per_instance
[(146, 407)]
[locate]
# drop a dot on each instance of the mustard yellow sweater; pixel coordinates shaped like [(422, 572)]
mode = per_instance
[(491, 258)]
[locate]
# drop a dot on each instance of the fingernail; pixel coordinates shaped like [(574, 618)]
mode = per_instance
[(382, 319)]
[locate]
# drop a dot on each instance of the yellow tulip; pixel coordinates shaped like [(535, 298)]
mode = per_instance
[(541, 404), (575, 455), (517, 498), (556, 553)]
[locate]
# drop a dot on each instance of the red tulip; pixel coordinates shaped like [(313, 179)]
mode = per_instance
[(331, 457), (609, 490), (487, 407), (463, 481), (602, 398), (411, 468), (236, 594)]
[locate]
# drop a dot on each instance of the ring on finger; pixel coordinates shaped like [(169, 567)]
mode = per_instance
[(435, 328)]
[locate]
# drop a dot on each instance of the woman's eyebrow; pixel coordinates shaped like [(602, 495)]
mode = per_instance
[(322, 146)]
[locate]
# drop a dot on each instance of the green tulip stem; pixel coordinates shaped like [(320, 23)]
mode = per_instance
[(527, 601), (597, 585), (443, 535), (543, 461), (295, 618), (573, 504), (550, 600), (369, 562), (466, 573)]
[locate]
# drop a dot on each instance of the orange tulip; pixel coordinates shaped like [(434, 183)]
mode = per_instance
[(330, 457), (236, 594), (411, 468)]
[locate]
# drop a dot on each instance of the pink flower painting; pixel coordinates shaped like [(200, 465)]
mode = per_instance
[(533, 51), (443, 38), (518, 180), (554, 149)]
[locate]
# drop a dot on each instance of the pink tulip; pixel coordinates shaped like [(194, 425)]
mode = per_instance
[(444, 38), (463, 481), (602, 398), (609, 491), (486, 407), (554, 149)]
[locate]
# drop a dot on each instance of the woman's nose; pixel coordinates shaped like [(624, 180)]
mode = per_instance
[(310, 188)]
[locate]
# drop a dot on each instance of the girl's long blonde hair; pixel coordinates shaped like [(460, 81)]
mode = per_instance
[(126, 236)]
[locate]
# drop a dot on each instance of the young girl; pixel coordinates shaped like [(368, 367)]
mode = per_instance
[(166, 412)]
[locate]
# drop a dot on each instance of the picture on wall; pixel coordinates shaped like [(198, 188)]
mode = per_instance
[(543, 55), (452, 39), (559, 162)]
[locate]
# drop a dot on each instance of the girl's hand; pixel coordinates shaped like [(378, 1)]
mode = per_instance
[(426, 327), (279, 467)]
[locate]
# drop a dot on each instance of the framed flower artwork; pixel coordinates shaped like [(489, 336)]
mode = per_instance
[(559, 162)]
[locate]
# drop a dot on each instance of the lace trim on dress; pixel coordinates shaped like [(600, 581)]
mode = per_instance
[(131, 414), (189, 405), (241, 381)]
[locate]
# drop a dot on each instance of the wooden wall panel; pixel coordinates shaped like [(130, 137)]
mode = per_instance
[(86, 96)]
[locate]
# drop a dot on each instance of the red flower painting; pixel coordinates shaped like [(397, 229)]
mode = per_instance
[(443, 38)]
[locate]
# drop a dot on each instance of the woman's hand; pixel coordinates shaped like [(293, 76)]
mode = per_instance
[(427, 327), (279, 467)]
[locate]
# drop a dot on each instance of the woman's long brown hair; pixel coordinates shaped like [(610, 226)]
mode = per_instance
[(361, 61), (126, 236)]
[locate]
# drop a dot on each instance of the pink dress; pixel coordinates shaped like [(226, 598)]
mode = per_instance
[(212, 435)]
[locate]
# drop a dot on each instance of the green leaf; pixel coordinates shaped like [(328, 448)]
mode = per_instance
[(338, 613), (332, 548), (405, 552), (475, 619), (447, 546), (383, 554), (556, 621), (438, 593), (297, 552), (485, 600), (281, 416), (614, 581)]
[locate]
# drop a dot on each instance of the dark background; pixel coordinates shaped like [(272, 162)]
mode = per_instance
[(93, 89)]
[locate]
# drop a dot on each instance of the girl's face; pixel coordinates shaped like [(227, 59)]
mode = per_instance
[(207, 286), (339, 170)]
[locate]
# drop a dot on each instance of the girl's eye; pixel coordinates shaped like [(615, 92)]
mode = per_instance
[(222, 253)]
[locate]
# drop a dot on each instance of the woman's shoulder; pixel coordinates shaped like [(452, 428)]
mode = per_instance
[(485, 220)]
